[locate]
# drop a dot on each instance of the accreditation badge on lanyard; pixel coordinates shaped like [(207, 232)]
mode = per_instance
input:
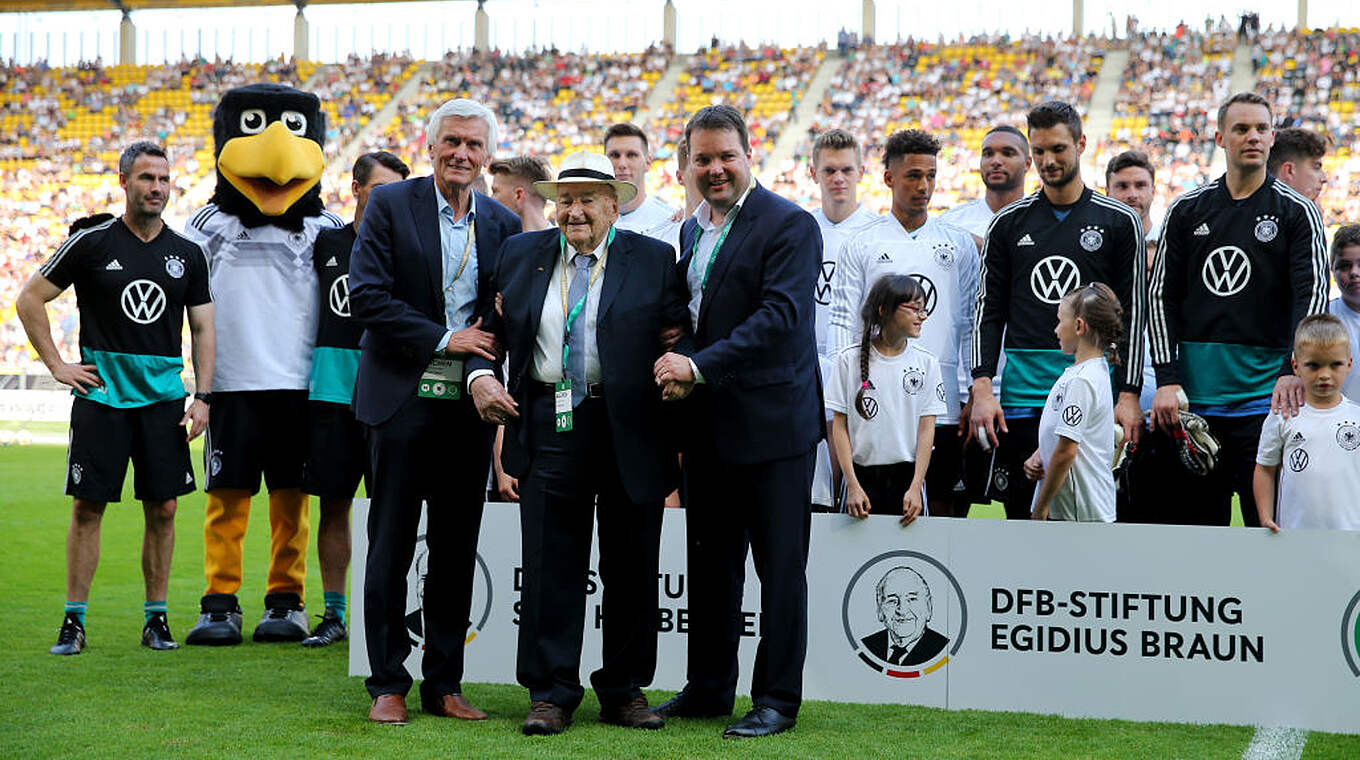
[(562, 421), (443, 378)]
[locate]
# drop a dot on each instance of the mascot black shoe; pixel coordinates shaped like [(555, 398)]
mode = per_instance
[(257, 232), (219, 622)]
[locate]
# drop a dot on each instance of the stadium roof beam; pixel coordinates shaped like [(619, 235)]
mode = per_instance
[(129, 6)]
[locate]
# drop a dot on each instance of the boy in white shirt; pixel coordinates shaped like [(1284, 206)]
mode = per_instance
[(1346, 273), (1320, 447)]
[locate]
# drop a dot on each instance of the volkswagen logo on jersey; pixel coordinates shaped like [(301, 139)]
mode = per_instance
[(339, 296), (912, 380), (143, 301), (939, 391), (1227, 271), (174, 266), (929, 288), (1092, 238), (1054, 277), (1071, 416), (1267, 227), (1348, 436), (944, 254), (1298, 460), (870, 407), (824, 283)]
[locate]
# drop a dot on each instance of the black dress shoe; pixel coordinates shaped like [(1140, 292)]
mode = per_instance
[(327, 632), (684, 705), (761, 721)]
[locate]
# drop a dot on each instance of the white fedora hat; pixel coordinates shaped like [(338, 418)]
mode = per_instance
[(585, 167)]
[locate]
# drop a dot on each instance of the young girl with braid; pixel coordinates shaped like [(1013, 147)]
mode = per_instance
[(885, 393), (1076, 429)]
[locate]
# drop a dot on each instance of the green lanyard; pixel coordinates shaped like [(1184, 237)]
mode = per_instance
[(712, 257), (569, 315)]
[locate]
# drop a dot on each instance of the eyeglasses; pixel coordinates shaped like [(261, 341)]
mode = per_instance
[(919, 310)]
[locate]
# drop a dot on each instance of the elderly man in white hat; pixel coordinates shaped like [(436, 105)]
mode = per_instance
[(583, 310)]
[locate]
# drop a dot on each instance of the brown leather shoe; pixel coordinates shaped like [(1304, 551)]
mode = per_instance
[(544, 719), (389, 709), (634, 713), (454, 706)]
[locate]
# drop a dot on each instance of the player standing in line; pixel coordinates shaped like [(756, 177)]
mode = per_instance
[(626, 147), (1242, 260), (944, 260), (135, 279), (337, 453), (837, 168), (1003, 163), (1321, 472), (1130, 179), (1296, 159), (1346, 307), (1036, 251)]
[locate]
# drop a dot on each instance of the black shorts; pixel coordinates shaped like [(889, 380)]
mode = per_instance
[(886, 485), (946, 460), (103, 438), (337, 452), (256, 432)]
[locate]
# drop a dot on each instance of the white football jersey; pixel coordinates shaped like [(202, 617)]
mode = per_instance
[(973, 216), (265, 294), (1080, 408), (1318, 453), (834, 236), (1339, 309), (902, 390), (944, 258), (651, 213)]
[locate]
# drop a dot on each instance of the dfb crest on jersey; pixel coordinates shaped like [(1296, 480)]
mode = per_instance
[(929, 288), (912, 380), (1348, 436), (174, 266), (1092, 238), (1227, 270), (1054, 277), (944, 254), (1267, 227)]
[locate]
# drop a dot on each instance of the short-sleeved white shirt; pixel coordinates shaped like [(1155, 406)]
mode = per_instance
[(821, 473), (1318, 453), (1080, 408), (651, 213), (902, 390), (974, 216), (1351, 319)]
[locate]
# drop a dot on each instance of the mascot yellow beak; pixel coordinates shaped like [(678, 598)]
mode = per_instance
[(273, 168)]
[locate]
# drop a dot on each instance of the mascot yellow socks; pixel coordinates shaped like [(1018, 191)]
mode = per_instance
[(258, 232)]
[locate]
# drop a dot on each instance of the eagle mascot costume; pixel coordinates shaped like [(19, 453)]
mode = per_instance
[(258, 231)]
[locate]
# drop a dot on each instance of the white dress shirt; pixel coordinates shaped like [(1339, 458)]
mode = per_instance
[(547, 364)]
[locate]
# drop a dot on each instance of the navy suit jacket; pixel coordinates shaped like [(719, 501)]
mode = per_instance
[(756, 345), (396, 288), (639, 296)]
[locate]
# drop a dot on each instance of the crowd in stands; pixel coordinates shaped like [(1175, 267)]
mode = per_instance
[(957, 90), (60, 128)]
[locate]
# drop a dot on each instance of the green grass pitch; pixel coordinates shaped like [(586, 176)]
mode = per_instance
[(120, 700)]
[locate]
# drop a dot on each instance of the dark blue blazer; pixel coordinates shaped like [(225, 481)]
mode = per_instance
[(755, 343), (639, 296), (396, 288)]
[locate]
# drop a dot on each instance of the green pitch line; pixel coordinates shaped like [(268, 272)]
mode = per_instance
[(118, 699)]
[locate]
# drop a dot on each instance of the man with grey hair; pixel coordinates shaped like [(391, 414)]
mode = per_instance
[(585, 305), (420, 285), (905, 608)]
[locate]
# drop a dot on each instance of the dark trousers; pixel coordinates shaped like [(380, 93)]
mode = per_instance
[(766, 506), (885, 485), (1009, 484), (1165, 492), (567, 473), (437, 451)]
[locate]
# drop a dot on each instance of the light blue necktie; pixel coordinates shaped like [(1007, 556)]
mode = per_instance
[(576, 339)]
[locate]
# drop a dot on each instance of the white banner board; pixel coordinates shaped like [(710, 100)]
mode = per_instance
[(35, 406), (1140, 622)]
